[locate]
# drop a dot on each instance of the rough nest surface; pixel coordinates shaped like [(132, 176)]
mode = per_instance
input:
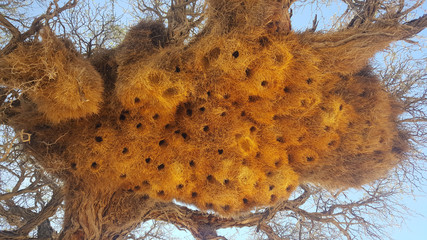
[(234, 120)]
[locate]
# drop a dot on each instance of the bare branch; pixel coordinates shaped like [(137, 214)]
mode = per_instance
[(35, 26), (15, 32)]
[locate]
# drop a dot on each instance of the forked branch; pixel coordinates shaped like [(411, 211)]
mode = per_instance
[(17, 37)]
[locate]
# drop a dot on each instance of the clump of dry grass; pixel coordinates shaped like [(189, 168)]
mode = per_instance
[(61, 83)]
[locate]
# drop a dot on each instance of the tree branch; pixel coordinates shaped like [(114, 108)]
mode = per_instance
[(13, 30), (196, 221), (35, 26)]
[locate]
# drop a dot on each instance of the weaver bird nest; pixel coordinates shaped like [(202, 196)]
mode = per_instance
[(236, 119)]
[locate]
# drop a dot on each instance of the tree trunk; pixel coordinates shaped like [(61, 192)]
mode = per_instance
[(101, 214)]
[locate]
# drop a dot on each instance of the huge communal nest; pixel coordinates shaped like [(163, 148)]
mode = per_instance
[(234, 120)]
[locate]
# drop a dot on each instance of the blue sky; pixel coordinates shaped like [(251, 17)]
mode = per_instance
[(415, 226)]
